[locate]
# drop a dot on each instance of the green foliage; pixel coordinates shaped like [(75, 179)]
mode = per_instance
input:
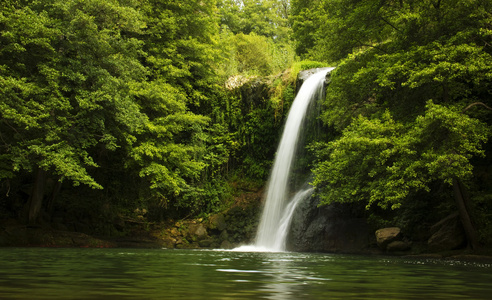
[(329, 30), (380, 161), (259, 134), (251, 54), (82, 79), (266, 17), (406, 71), (254, 38), (306, 65), (64, 73)]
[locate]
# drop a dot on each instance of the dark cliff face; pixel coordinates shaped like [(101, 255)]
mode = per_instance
[(254, 93), (331, 228)]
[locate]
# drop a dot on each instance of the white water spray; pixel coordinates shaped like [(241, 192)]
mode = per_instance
[(276, 216), (284, 224)]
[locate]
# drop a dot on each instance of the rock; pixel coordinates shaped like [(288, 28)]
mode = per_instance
[(205, 243), (332, 228), (224, 235), (197, 230), (398, 246), (447, 234), (174, 232), (226, 245), (217, 222), (168, 242), (303, 75), (384, 236)]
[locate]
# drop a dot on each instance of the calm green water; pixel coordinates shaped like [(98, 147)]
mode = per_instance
[(37, 273)]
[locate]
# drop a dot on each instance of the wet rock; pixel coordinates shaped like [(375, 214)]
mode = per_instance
[(331, 228), (226, 245), (385, 236), (447, 234), (303, 75)]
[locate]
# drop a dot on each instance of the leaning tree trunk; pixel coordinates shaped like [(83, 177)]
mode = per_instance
[(461, 201), (37, 196)]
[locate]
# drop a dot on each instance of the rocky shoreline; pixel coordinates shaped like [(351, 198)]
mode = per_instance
[(329, 229), (23, 236)]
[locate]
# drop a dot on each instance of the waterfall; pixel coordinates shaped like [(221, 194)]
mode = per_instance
[(284, 224), (276, 216)]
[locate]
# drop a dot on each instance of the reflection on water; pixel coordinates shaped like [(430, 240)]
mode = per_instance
[(282, 281), (193, 274), (287, 281)]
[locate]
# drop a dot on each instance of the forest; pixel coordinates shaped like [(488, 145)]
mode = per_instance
[(152, 111)]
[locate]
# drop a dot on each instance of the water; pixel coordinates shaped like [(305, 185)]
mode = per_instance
[(39, 273), (284, 224), (269, 229)]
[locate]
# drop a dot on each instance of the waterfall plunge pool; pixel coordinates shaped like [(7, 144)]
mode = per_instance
[(58, 273)]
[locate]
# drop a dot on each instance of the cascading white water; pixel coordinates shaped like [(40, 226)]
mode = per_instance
[(271, 231), (284, 224)]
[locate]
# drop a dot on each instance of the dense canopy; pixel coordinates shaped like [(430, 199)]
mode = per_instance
[(111, 106)]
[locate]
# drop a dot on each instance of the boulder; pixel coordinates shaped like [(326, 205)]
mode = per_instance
[(385, 236), (217, 222), (447, 234), (338, 227), (226, 245), (224, 235), (198, 231), (398, 246), (205, 243)]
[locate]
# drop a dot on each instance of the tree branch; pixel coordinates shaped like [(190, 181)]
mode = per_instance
[(371, 46), (390, 24), (474, 104)]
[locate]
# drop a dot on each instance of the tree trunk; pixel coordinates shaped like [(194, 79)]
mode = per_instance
[(461, 202), (54, 194), (37, 196)]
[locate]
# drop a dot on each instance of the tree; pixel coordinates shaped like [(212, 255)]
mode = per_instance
[(65, 69), (255, 36), (266, 17), (382, 162), (393, 58), (330, 30), (171, 153)]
